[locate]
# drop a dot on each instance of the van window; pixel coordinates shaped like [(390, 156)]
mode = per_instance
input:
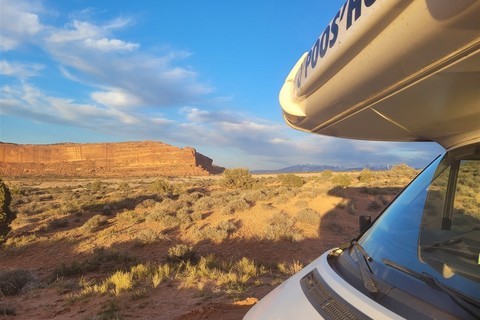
[(450, 230), (433, 226)]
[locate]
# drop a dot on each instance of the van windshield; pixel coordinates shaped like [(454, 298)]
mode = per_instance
[(433, 227)]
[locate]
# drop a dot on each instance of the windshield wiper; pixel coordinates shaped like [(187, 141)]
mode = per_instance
[(376, 289), (468, 304)]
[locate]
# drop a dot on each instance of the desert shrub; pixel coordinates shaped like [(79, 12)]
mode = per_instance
[(21, 241), (121, 281), (246, 266), (163, 216), (281, 189), (57, 224), (342, 180), (282, 226), (101, 258), (204, 204), (383, 200), (96, 186), (196, 216), (149, 236), (373, 206), (190, 198), (94, 223), (235, 206), (131, 216), (173, 205), (352, 208), (219, 232), (123, 186), (228, 226), (283, 199), (291, 180), (291, 269), (7, 310), (6, 215), (334, 227), (184, 216), (146, 204), (13, 281), (365, 175), (164, 187), (404, 170), (237, 179), (255, 195), (182, 253), (309, 216), (301, 204), (326, 175), (163, 272)]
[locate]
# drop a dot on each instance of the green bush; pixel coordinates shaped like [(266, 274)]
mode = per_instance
[(309, 216), (238, 178), (342, 180), (182, 253), (282, 227), (6, 215), (373, 206), (403, 170), (204, 204), (326, 175), (256, 195), (13, 281), (235, 206), (291, 180), (149, 236), (94, 223), (165, 187), (221, 231), (365, 175)]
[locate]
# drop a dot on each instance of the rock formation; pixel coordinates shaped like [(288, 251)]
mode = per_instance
[(145, 158)]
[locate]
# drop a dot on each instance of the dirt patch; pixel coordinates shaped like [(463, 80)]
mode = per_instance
[(111, 249)]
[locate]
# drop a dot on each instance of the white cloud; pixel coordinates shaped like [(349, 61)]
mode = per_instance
[(19, 22), (19, 70), (116, 98), (90, 53), (105, 44), (78, 30), (30, 102)]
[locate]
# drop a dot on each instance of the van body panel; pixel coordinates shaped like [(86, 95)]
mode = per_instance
[(413, 81), (288, 301)]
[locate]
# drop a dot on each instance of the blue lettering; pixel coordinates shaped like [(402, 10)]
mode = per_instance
[(334, 30), (324, 42), (343, 11), (307, 62), (315, 54), (354, 5), (298, 77), (329, 37)]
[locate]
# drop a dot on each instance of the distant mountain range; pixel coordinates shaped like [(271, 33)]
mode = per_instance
[(317, 168)]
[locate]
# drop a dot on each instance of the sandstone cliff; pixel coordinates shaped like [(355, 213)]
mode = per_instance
[(146, 158)]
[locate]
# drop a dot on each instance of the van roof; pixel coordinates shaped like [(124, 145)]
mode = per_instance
[(391, 70)]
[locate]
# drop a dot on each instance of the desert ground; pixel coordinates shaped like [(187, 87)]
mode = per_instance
[(175, 248)]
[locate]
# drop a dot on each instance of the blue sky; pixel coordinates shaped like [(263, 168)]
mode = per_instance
[(204, 74)]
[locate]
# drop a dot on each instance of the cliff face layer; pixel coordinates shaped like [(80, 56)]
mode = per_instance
[(103, 159)]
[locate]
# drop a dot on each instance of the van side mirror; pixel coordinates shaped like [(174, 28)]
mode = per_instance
[(364, 223)]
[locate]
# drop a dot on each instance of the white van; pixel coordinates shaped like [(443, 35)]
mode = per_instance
[(396, 70)]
